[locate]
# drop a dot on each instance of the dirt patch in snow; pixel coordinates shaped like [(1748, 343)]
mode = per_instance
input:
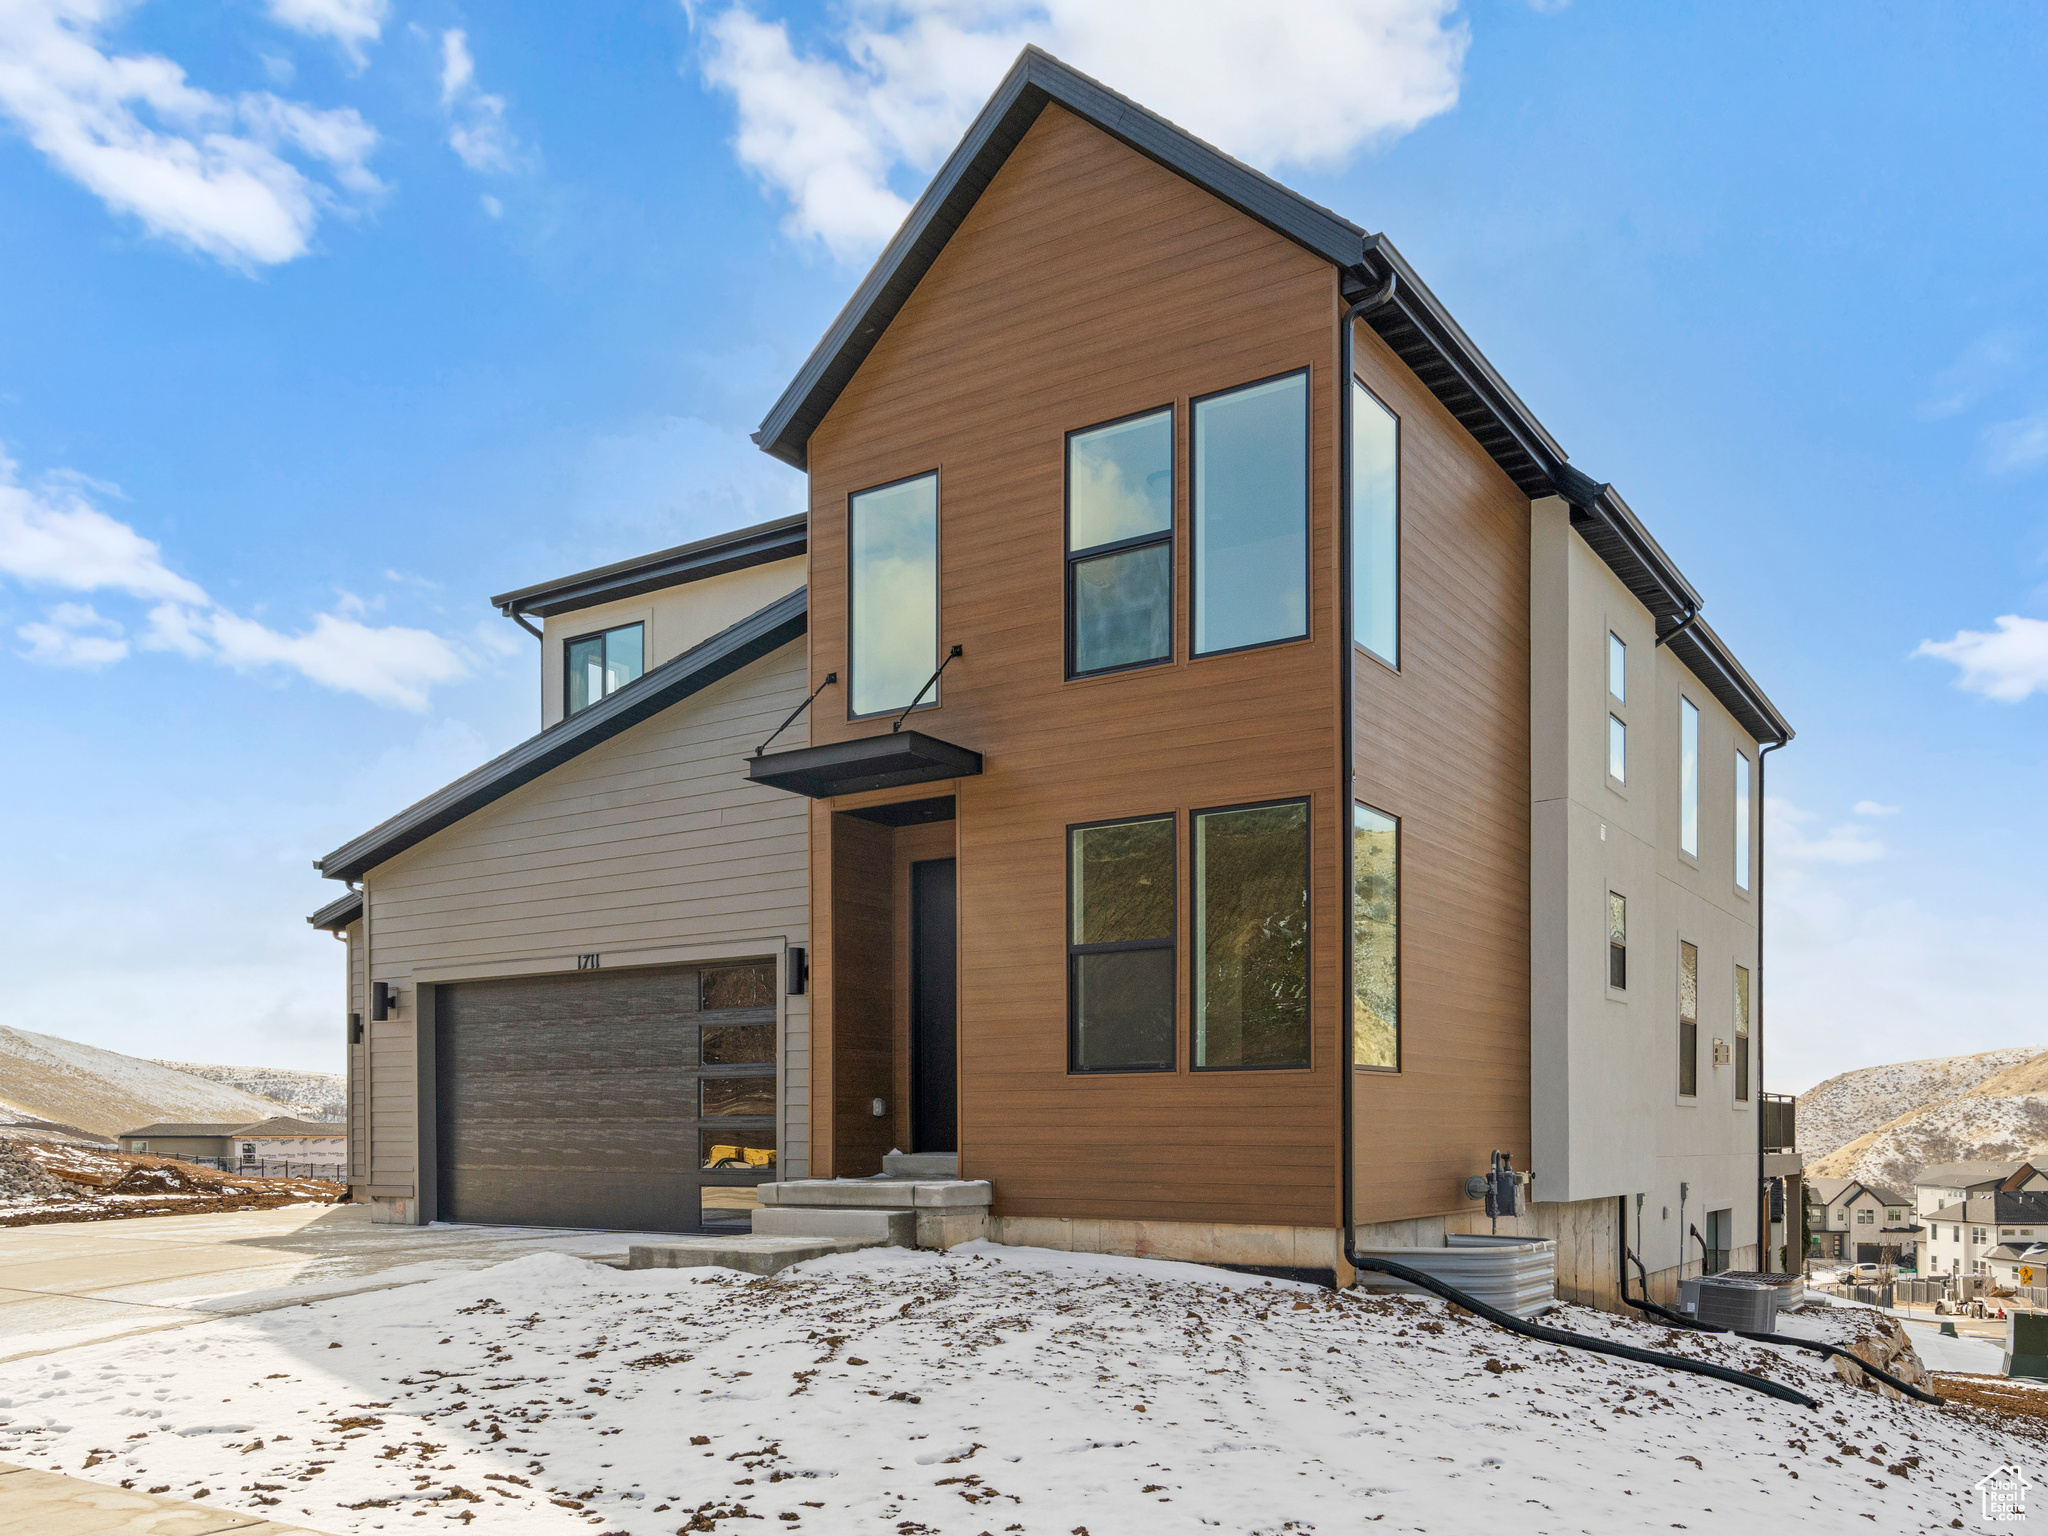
[(43, 1182)]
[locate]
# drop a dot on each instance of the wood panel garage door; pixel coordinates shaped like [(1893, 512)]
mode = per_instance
[(632, 1100)]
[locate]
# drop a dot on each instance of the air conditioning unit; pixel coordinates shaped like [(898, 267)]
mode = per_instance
[(1744, 1305)]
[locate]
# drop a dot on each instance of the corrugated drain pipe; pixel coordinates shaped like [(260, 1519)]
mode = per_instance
[(1679, 1319), (1347, 650)]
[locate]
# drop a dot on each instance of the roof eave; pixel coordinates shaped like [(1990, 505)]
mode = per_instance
[(782, 538)]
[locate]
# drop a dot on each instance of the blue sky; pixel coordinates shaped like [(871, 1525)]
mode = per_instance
[(321, 320)]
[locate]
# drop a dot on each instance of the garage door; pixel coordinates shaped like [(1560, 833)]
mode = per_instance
[(631, 1099)]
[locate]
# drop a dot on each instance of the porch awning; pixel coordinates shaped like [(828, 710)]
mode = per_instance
[(871, 762)]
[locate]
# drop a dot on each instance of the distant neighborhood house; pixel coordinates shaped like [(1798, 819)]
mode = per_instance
[(278, 1139), (1857, 1222)]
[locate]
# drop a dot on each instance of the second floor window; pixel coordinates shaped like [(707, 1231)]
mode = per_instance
[(1617, 749), (1742, 1034), (1617, 668), (1120, 544), (602, 664), (1741, 822), (1865, 1218), (1689, 777), (1251, 515), (893, 618), (1688, 1019), (1375, 526)]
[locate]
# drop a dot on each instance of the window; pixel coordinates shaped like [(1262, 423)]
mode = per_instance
[(1617, 941), (1976, 1234), (1617, 749), (1375, 526), (1251, 515), (1741, 822), (1375, 939), (1251, 936), (1865, 1218), (602, 664), (893, 556), (1688, 1018), (1742, 1034), (1617, 668), (1120, 544), (138, 1146), (1120, 965), (248, 1151), (1689, 777)]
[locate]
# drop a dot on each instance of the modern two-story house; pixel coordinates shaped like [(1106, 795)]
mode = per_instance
[(1240, 777)]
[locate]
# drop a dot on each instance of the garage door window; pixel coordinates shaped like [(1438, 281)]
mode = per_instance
[(739, 1045), (727, 1096), (741, 986), (752, 1148)]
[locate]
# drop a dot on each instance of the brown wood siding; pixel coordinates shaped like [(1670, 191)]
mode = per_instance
[(1445, 746), (1089, 283), (864, 995)]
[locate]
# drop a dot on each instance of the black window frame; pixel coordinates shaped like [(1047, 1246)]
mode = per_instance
[(1168, 536), (1308, 860), (569, 644), (1308, 419), (931, 699), (1075, 951), (1400, 941), (1400, 532)]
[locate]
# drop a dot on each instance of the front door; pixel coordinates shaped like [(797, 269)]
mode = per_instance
[(934, 1101)]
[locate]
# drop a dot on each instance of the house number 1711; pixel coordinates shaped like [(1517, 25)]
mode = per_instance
[(586, 962)]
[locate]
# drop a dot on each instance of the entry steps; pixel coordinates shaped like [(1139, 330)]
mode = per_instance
[(917, 1201)]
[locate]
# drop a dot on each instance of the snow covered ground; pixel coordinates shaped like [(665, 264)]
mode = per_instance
[(984, 1390)]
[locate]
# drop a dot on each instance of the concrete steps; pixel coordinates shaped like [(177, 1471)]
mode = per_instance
[(755, 1254)]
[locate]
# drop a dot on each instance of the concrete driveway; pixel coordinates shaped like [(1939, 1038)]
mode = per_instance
[(77, 1283)]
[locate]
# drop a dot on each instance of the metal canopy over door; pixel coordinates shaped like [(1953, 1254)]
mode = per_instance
[(632, 1099), (934, 1088)]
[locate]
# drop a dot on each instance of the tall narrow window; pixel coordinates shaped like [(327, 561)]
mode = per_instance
[(1741, 821), (1688, 1019), (1689, 777), (1375, 526), (1617, 750), (1742, 1034), (1120, 971), (1251, 515), (1617, 941), (893, 554), (1617, 668), (1375, 939), (1251, 936), (602, 664), (1120, 544)]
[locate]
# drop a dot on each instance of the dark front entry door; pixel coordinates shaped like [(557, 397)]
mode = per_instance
[(934, 1104)]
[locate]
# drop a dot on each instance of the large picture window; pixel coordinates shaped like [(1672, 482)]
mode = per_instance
[(602, 664), (893, 554), (1688, 1019), (1251, 936), (1120, 544), (1375, 526), (1251, 515), (1375, 939), (1120, 949)]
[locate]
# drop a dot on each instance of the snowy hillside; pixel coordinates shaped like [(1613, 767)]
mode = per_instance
[(1971, 1127), (1857, 1103), (106, 1093), (312, 1095)]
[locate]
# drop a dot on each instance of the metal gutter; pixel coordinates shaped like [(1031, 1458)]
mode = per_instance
[(674, 680), (338, 913), (783, 539)]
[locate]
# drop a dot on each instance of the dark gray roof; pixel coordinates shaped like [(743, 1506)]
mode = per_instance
[(339, 913), (1963, 1175), (2030, 1205), (782, 539), (670, 683), (1418, 329), (1886, 1196), (162, 1129)]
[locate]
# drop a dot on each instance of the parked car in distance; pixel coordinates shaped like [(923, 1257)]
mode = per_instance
[(1862, 1274)]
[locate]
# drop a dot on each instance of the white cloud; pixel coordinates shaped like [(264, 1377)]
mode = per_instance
[(209, 172), (476, 119), (1981, 365), (74, 635), (1787, 838), (2013, 447), (1304, 85), (51, 537), (1875, 808), (492, 206), (2008, 665), (354, 24)]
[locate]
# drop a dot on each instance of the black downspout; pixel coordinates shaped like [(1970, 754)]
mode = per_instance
[(1756, 1044), (1678, 629), (1346, 651), (519, 618), (1347, 729)]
